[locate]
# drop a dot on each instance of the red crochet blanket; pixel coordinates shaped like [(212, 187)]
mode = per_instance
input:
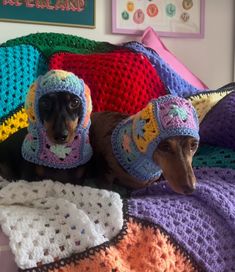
[(121, 81)]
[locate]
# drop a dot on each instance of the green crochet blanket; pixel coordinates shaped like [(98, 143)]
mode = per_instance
[(50, 43)]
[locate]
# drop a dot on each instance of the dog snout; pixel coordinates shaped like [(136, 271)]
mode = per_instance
[(187, 189), (188, 182), (61, 137)]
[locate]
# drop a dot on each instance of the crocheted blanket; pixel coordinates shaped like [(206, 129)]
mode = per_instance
[(63, 228), (55, 227), (46, 221), (122, 78)]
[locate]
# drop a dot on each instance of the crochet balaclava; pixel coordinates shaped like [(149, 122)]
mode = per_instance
[(36, 147), (135, 139)]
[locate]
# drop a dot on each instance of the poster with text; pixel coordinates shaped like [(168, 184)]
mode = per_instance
[(74, 13)]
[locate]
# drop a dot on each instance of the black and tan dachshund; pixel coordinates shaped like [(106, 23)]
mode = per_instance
[(60, 114)]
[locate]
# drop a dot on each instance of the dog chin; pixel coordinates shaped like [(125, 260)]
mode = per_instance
[(182, 190)]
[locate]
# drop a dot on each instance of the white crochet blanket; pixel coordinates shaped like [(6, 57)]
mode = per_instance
[(47, 220)]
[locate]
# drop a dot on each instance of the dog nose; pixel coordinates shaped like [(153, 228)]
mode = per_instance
[(188, 189), (61, 137)]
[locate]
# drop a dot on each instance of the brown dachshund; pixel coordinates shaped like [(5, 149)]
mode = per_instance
[(164, 134)]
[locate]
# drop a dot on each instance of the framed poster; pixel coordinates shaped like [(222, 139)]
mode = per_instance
[(75, 13), (169, 18)]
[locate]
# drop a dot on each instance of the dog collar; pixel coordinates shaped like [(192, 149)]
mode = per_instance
[(36, 147), (135, 139)]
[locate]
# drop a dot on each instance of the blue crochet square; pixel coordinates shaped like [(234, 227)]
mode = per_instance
[(19, 67)]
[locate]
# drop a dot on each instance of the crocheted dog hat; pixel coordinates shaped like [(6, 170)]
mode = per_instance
[(135, 139), (36, 147)]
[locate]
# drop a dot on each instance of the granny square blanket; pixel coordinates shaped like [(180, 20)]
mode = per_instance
[(55, 227), (72, 228)]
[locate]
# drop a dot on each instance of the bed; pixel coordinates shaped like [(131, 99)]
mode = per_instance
[(49, 226)]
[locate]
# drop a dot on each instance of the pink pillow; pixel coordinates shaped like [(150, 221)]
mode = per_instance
[(152, 40)]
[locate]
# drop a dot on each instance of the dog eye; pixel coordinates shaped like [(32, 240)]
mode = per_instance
[(165, 147), (194, 145), (74, 103), (45, 104)]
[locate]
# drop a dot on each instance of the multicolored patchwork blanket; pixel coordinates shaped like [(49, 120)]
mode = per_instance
[(48, 226), (56, 227)]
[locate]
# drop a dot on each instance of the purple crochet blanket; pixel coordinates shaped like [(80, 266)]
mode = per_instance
[(200, 227), (203, 223)]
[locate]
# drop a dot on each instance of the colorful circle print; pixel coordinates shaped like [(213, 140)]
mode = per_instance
[(125, 15), (187, 4), (152, 10), (185, 17), (138, 17), (170, 10), (130, 6)]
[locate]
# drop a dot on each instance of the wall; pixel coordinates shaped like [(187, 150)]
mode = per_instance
[(211, 58)]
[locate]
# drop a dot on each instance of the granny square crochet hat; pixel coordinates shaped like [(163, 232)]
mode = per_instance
[(135, 139), (36, 147), (58, 81)]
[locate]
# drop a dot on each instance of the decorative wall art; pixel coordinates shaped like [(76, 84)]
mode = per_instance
[(169, 18), (50, 12)]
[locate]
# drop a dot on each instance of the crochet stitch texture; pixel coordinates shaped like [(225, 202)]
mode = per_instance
[(203, 223), (162, 230), (217, 128), (143, 248), (49, 220), (172, 81), (13, 123), (214, 156), (203, 102), (135, 139), (176, 232), (120, 81), (19, 67), (36, 147), (50, 43)]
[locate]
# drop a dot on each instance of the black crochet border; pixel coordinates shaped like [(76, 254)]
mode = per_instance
[(228, 88), (75, 258), (223, 89), (172, 240), (11, 113)]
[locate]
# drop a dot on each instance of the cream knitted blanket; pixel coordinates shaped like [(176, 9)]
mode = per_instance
[(48, 220)]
